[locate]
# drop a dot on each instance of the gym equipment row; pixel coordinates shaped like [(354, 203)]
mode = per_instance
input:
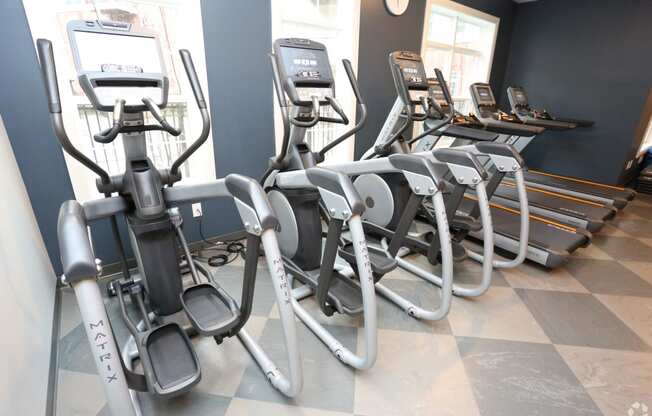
[(331, 231)]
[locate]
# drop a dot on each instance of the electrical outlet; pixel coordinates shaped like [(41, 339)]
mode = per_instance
[(196, 210)]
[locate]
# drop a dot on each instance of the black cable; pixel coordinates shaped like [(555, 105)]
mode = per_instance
[(228, 251)]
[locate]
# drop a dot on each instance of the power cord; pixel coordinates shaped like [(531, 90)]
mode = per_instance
[(227, 251)]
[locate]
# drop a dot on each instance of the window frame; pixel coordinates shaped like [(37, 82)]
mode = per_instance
[(453, 49)]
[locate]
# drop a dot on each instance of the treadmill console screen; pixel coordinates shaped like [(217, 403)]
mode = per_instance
[(484, 95), (519, 97)]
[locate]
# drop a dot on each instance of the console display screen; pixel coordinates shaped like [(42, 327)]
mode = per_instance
[(306, 64), (520, 97), (102, 52), (413, 72), (484, 95)]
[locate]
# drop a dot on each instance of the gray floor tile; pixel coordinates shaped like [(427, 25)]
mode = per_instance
[(421, 293), (467, 272), (416, 374), (530, 275), (192, 403), (579, 319), (608, 277), (75, 353), (242, 407), (328, 383), (635, 312), (643, 210), (498, 314), (623, 248), (517, 378), (70, 316), (634, 227), (78, 394), (614, 379), (230, 278)]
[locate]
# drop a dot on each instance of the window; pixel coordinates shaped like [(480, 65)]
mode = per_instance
[(335, 23), (460, 42), (178, 25)]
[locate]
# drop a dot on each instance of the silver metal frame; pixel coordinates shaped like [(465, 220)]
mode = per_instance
[(123, 401)]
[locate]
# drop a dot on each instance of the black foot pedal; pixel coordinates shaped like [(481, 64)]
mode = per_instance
[(169, 359), (345, 295), (210, 309), (380, 263)]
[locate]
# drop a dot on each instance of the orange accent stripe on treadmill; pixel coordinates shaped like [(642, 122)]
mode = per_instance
[(532, 216), (578, 180), (556, 195)]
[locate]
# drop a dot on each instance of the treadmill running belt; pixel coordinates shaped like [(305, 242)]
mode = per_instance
[(542, 235), (559, 203), (583, 187)]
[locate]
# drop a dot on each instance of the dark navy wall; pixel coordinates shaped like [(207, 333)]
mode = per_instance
[(585, 59), (24, 110), (382, 33)]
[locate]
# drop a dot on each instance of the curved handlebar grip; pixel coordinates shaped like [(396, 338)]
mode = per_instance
[(109, 135), (314, 113), (352, 80), (444, 86), (338, 109), (49, 73), (186, 58), (158, 115)]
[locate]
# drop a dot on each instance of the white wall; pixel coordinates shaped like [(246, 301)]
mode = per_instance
[(27, 288)]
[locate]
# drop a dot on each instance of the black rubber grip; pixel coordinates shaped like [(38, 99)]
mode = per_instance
[(49, 73), (192, 77), (443, 85)]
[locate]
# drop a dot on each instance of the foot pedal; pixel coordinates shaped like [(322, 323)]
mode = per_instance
[(210, 309), (380, 263), (170, 362), (344, 295)]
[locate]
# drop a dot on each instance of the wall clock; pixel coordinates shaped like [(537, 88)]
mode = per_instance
[(397, 7)]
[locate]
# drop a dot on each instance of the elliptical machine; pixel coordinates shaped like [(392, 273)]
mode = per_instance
[(414, 104), (169, 311)]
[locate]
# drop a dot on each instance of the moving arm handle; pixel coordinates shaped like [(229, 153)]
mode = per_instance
[(362, 120), (444, 88), (158, 115), (49, 73), (451, 112), (402, 92), (186, 58)]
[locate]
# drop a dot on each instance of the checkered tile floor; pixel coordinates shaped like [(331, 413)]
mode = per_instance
[(574, 341)]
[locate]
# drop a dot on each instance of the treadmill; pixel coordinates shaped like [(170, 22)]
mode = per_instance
[(574, 212), (550, 243), (615, 196)]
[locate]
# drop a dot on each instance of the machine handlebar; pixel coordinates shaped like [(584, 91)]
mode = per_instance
[(201, 103), (49, 73)]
